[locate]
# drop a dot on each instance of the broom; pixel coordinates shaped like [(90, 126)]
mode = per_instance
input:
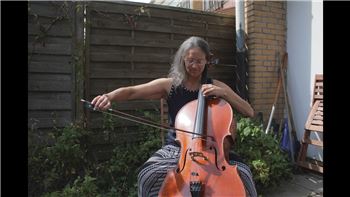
[(276, 95)]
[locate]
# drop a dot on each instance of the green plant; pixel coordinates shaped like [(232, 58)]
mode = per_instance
[(56, 164), (118, 176), (58, 161), (86, 187), (109, 122), (268, 163)]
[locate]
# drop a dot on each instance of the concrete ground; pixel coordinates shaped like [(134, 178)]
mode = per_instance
[(305, 184)]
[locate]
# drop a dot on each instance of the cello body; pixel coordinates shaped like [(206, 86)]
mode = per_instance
[(202, 168)]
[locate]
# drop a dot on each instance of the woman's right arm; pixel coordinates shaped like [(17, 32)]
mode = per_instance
[(156, 89)]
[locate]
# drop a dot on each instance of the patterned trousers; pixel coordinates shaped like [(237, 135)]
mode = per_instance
[(152, 173)]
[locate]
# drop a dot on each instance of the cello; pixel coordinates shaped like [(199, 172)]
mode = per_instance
[(202, 169)]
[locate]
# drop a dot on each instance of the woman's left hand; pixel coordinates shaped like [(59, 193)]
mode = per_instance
[(213, 90)]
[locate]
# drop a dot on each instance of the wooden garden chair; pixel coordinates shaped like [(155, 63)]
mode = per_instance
[(314, 124)]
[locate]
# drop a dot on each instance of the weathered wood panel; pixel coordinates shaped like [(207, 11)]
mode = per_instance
[(43, 66), (160, 11), (50, 48), (50, 64), (52, 9), (49, 83), (49, 101), (47, 119), (59, 29), (128, 41), (116, 57), (181, 28)]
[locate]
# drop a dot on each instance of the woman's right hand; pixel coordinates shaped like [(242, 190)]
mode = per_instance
[(101, 102)]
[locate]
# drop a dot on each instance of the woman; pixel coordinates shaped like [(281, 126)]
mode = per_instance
[(179, 88)]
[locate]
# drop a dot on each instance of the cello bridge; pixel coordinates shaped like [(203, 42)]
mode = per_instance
[(197, 154)]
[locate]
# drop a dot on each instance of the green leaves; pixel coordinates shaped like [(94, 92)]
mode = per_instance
[(53, 164), (86, 187), (261, 169), (262, 153), (118, 176)]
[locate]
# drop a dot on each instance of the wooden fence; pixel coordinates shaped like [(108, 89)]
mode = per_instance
[(51, 69), (125, 44)]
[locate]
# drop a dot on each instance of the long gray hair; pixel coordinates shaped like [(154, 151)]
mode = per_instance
[(177, 70)]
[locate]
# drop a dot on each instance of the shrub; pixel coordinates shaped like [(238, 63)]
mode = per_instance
[(268, 163), (56, 164), (56, 161), (118, 176), (86, 187)]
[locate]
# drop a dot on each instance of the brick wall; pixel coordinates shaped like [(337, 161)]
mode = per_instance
[(266, 31)]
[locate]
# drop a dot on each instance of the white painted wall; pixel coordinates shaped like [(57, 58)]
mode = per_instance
[(305, 59)]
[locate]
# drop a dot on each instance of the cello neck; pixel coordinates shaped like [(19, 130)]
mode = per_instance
[(199, 120), (200, 113)]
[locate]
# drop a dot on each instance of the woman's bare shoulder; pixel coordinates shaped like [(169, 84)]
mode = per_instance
[(164, 83)]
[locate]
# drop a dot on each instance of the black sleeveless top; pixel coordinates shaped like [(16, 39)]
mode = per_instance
[(176, 99)]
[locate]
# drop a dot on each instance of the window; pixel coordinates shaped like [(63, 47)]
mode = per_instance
[(185, 4), (212, 5)]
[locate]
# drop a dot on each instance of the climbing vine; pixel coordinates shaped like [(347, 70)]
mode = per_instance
[(130, 19), (64, 11)]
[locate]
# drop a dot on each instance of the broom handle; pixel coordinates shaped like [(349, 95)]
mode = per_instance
[(275, 99)]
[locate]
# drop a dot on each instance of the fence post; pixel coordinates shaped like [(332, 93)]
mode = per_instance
[(78, 58)]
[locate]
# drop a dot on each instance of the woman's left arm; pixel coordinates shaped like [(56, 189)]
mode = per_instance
[(222, 90)]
